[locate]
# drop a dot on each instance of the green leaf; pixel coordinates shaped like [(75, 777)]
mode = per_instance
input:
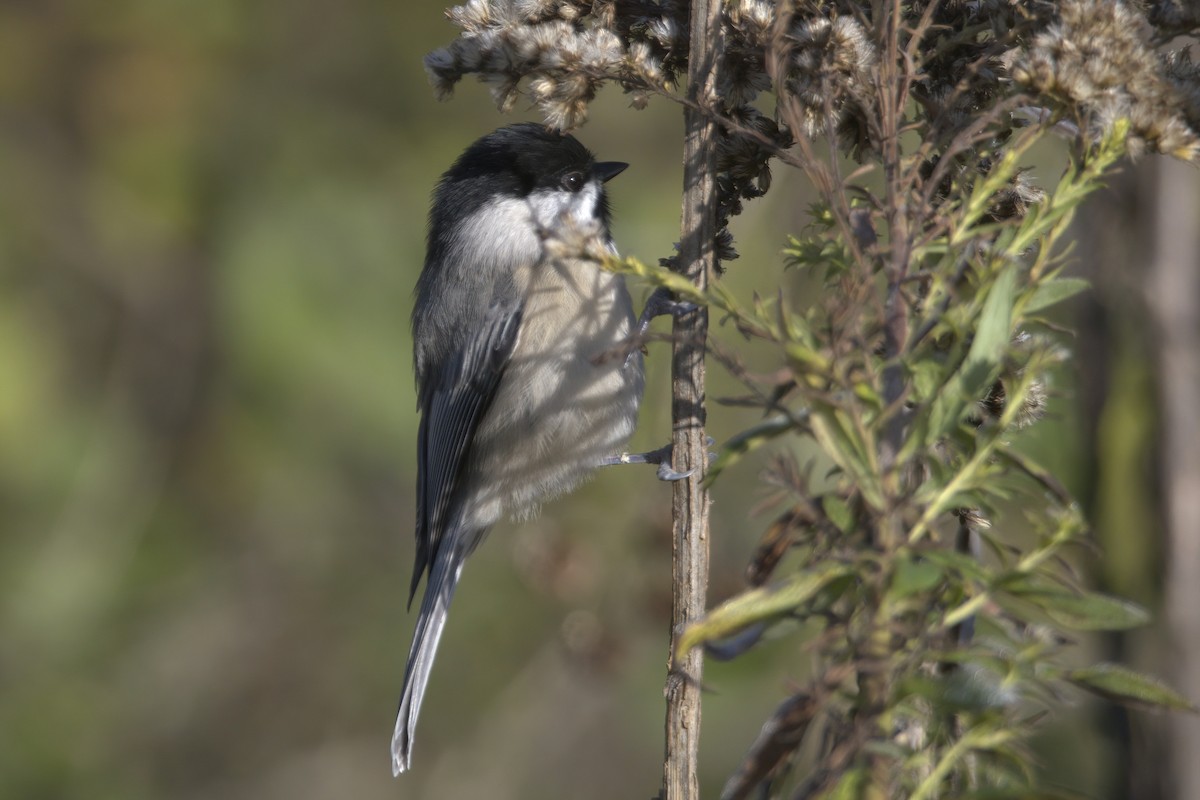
[(913, 575), (927, 375), (966, 565), (1089, 611), (867, 393), (816, 251), (1037, 472), (851, 786), (992, 337), (1055, 291), (980, 737), (1096, 612), (760, 604), (964, 610), (842, 441), (838, 512), (806, 356), (983, 193), (1123, 685), (1022, 793), (747, 442)]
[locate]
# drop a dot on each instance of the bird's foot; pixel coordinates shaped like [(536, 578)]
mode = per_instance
[(661, 457), (660, 303)]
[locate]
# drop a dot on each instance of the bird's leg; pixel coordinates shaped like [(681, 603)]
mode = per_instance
[(661, 457), (659, 303)]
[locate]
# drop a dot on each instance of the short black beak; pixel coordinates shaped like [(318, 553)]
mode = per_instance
[(607, 170)]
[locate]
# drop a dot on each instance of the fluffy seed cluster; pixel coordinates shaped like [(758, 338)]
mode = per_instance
[(1173, 17), (963, 74), (807, 68), (1097, 59), (560, 51), (1015, 198), (829, 76), (1033, 403), (744, 74), (1032, 409), (1011, 202), (1183, 76), (743, 166)]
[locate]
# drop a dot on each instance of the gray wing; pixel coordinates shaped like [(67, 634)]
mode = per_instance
[(454, 396)]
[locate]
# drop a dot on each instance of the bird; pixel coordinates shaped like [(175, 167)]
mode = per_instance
[(527, 367)]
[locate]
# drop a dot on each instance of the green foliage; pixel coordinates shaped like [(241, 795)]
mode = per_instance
[(917, 365), (1114, 682), (212, 222), (920, 432), (793, 595)]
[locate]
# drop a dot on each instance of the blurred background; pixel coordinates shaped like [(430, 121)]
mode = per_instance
[(211, 220)]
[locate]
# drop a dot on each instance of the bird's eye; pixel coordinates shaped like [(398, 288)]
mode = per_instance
[(573, 181)]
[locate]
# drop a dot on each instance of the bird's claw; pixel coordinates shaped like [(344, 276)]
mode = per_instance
[(660, 303), (666, 473)]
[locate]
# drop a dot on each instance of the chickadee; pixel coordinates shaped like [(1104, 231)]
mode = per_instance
[(526, 379)]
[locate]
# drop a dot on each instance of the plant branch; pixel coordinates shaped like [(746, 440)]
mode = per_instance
[(697, 260)]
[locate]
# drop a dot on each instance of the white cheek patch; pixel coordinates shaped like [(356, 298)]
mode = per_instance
[(587, 202), (549, 206)]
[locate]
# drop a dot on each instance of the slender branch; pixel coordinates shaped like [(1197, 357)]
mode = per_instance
[(697, 260)]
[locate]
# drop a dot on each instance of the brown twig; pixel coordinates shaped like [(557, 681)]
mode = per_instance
[(697, 260)]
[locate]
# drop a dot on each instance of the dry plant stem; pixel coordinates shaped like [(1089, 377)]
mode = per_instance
[(892, 91), (689, 569)]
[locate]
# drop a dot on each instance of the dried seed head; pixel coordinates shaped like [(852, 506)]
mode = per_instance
[(1174, 16), (753, 20), (829, 76), (534, 10), (665, 31), (562, 49), (1014, 200), (1098, 59)]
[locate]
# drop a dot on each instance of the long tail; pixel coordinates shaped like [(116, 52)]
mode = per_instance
[(435, 605)]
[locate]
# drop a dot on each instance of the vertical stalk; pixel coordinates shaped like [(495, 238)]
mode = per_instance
[(874, 678), (689, 568)]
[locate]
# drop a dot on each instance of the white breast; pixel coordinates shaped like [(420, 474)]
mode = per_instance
[(569, 397)]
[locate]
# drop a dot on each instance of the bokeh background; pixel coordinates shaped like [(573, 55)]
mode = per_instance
[(211, 220)]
